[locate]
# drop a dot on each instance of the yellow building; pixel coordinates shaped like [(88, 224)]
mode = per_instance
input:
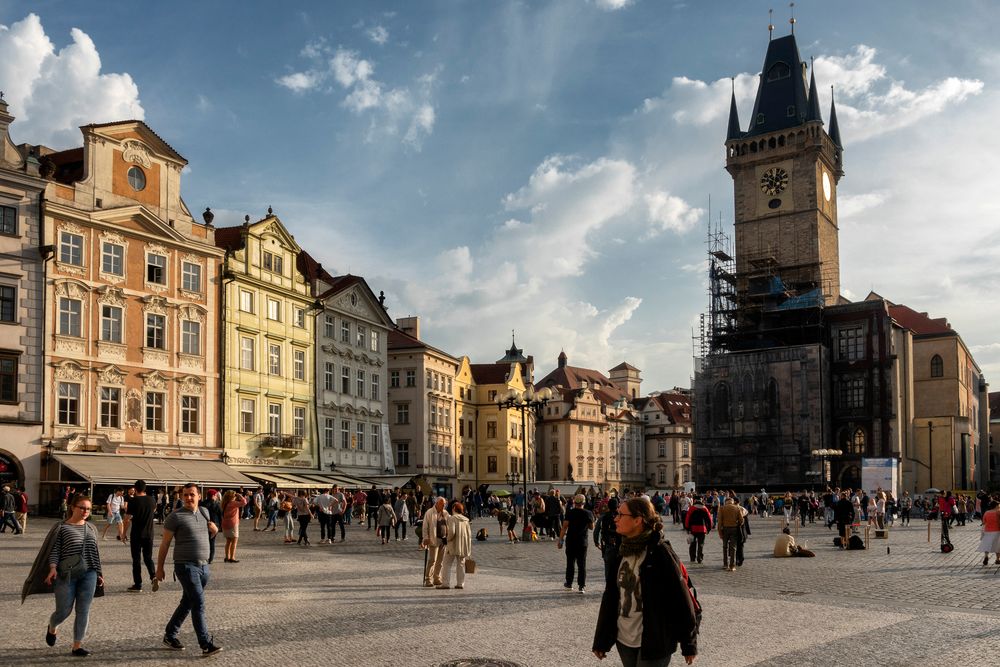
[(267, 358)]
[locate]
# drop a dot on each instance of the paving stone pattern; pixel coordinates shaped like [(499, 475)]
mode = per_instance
[(359, 603)]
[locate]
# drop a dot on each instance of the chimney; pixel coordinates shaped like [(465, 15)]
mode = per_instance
[(409, 325)]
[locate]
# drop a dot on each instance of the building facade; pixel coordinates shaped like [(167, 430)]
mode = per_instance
[(268, 312), (131, 300), (22, 293), (422, 408), (352, 374), (667, 430)]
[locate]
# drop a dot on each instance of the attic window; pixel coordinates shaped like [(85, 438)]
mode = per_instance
[(778, 71), (136, 179), (760, 119), (790, 112)]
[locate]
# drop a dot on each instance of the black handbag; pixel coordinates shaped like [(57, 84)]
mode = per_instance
[(71, 567)]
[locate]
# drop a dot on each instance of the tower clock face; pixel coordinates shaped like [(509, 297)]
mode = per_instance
[(774, 181), (827, 186)]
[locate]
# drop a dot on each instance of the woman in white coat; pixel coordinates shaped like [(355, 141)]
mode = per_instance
[(458, 548)]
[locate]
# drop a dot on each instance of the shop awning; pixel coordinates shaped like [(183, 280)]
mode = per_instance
[(124, 470), (391, 481)]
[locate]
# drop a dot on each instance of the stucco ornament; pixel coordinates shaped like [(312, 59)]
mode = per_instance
[(136, 152)]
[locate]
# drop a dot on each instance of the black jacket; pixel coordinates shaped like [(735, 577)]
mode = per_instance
[(843, 511), (668, 613)]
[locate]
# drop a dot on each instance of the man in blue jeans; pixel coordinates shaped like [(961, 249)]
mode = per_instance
[(192, 527)]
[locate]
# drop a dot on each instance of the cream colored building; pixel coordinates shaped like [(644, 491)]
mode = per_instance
[(422, 409), (352, 376), (268, 364), (591, 429), (666, 417), (22, 290), (131, 301)]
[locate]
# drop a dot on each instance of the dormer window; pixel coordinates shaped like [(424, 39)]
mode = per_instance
[(760, 119), (790, 112), (272, 262), (779, 71)]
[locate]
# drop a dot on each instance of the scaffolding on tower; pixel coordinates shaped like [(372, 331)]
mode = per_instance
[(719, 326)]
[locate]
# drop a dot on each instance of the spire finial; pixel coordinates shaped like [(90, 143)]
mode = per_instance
[(791, 7), (770, 24), (270, 211)]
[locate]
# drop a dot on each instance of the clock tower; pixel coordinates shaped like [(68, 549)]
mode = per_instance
[(785, 170)]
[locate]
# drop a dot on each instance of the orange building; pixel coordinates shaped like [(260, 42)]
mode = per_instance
[(131, 304)]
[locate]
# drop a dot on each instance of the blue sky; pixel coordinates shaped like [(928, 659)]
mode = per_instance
[(540, 166)]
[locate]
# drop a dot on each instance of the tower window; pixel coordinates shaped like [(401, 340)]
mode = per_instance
[(937, 366), (790, 112), (779, 71), (760, 119)]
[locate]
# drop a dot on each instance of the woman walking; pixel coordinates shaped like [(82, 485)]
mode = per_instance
[(271, 507), (990, 541), (402, 514), (285, 514), (232, 504), (304, 514), (386, 518), (75, 569), (458, 547), (647, 609)]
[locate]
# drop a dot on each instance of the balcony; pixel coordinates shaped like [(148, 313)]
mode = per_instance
[(280, 442)]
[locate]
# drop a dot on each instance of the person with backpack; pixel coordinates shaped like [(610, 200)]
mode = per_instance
[(607, 539), (650, 607), (698, 522)]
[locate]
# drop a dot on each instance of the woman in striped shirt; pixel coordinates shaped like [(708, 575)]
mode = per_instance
[(75, 549)]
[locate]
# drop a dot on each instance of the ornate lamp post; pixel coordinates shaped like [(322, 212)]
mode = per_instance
[(512, 478), (524, 401), (823, 455)]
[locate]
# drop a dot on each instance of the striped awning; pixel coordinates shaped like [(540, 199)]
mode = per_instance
[(125, 470)]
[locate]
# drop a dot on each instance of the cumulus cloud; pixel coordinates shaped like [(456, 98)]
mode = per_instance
[(406, 111), (669, 212), (871, 103), (38, 80)]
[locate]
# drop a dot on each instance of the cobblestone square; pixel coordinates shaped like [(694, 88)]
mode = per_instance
[(901, 602)]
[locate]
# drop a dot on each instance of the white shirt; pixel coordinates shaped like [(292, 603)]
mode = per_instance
[(323, 502), (629, 601)]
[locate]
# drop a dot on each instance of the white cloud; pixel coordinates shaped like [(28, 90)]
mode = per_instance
[(407, 111), (613, 5), (379, 35), (850, 206), (38, 81), (668, 212), (871, 103)]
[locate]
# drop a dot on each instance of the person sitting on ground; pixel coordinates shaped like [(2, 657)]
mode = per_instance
[(785, 547)]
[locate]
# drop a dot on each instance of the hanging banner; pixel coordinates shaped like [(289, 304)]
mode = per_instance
[(880, 474)]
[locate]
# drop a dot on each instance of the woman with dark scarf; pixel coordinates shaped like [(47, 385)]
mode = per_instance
[(647, 610)]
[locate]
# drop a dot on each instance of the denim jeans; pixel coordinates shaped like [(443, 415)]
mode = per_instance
[(303, 527), (193, 578), (632, 657), (334, 520), (324, 525), (74, 592)]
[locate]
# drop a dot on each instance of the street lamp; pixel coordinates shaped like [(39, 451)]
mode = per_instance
[(524, 401), (823, 455)]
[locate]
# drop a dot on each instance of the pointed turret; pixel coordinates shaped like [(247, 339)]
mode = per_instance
[(834, 127), (734, 118), (814, 113), (781, 95)]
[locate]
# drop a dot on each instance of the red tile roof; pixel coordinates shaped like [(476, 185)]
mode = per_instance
[(311, 269), (919, 323), (490, 373), (402, 341), (677, 407), (624, 366), (230, 238), (573, 377)]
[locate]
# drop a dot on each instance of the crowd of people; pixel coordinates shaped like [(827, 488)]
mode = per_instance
[(647, 588)]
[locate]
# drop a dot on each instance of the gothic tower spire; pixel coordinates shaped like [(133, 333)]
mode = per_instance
[(734, 117)]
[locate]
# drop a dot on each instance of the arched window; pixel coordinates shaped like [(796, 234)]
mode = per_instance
[(937, 366), (721, 403), (772, 398), (858, 442), (747, 388), (844, 440)]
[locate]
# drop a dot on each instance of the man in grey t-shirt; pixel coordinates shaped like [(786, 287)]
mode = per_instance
[(192, 528), (337, 508)]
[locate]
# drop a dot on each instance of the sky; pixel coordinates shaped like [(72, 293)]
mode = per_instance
[(544, 167)]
